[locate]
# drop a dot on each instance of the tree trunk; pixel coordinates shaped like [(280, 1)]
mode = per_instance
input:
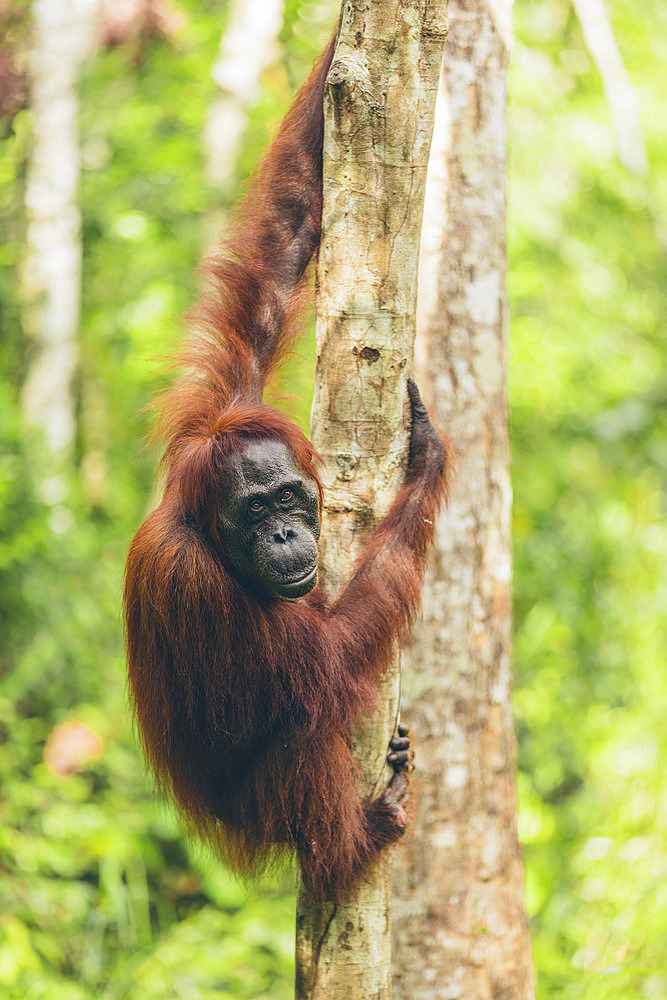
[(621, 97), (52, 270), (247, 47), (460, 929), (379, 114)]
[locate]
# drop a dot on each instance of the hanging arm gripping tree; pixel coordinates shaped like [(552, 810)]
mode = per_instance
[(379, 107)]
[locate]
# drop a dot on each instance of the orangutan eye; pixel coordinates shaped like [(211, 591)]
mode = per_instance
[(286, 496), (256, 506)]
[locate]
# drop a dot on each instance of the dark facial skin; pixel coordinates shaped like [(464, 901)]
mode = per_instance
[(269, 520)]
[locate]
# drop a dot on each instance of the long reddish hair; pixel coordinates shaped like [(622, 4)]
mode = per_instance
[(185, 614), (244, 702)]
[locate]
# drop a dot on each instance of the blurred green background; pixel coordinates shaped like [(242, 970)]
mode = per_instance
[(100, 894)]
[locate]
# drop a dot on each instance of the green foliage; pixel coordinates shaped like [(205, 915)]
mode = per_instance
[(101, 893), (588, 393)]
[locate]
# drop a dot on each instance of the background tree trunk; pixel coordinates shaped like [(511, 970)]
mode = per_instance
[(460, 929), (621, 96), (247, 47), (63, 32), (378, 123)]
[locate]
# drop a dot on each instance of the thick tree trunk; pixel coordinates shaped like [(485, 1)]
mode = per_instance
[(379, 113), (52, 271), (460, 928)]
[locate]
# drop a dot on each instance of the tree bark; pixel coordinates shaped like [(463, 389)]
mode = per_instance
[(378, 121), (51, 276), (461, 931)]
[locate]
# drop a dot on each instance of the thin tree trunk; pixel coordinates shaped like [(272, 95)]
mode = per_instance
[(52, 270), (379, 114), (460, 929), (621, 97), (247, 47)]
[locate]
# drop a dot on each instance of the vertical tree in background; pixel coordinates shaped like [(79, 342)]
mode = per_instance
[(379, 110), (247, 48), (62, 38), (621, 97), (460, 928)]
